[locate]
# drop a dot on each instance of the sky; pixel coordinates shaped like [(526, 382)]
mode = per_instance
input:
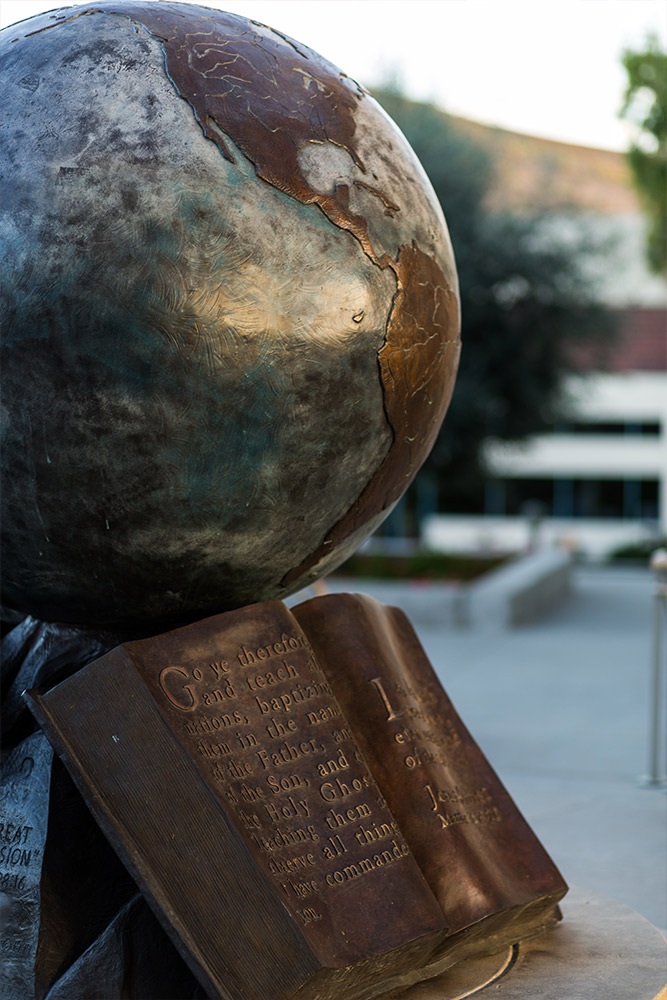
[(546, 67)]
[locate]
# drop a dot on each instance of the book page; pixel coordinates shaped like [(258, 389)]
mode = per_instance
[(476, 851)]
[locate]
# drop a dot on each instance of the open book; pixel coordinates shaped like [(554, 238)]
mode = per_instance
[(299, 801)]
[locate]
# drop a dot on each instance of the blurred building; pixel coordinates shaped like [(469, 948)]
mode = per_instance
[(598, 480)]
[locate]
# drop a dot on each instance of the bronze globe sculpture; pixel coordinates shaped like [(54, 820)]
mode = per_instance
[(231, 314)]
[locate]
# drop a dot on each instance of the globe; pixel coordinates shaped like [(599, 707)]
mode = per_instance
[(231, 321)]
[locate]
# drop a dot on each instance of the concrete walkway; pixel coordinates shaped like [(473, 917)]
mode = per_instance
[(561, 710)]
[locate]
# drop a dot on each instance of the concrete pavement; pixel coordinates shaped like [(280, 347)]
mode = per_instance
[(560, 708)]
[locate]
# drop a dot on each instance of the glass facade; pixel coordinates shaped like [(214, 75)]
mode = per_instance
[(635, 499)]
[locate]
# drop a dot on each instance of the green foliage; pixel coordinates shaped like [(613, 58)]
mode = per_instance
[(638, 551), (645, 104), (420, 565), (526, 308)]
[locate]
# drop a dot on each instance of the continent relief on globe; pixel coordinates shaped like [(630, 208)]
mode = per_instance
[(233, 314)]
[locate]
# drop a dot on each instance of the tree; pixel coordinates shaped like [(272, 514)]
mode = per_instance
[(645, 104), (527, 311)]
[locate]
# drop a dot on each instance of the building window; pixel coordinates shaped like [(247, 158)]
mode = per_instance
[(632, 499), (610, 428)]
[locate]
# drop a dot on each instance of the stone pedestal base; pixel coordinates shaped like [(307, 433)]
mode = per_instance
[(603, 950)]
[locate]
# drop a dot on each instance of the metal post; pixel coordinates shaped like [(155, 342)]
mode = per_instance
[(657, 775)]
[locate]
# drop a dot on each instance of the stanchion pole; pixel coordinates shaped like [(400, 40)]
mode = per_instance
[(657, 774)]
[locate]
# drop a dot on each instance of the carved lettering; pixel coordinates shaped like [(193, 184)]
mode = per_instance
[(391, 714), (247, 740), (286, 644), (287, 788), (367, 835), (250, 794), (474, 806), (250, 821), (219, 694), (309, 915), (213, 749), (15, 856), (286, 783), (281, 673), (181, 696), (289, 752), (342, 735), (323, 715), (333, 847), (300, 863), (446, 738), (365, 866), (11, 882), (289, 808), (219, 668), (14, 833), (289, 699), (340, 789), (276, 729), (216, 722), (340, 763), (300, 889), (239, 769), (287, 838), (334, 819)]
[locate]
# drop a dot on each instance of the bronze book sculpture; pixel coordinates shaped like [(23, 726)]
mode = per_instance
[(300, 802)]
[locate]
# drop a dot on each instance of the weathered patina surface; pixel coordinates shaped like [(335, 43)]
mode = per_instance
[(330, 830), (231, 323)]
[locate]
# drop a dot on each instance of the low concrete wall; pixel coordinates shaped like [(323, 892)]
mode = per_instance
[(520, 592), (513, 595)]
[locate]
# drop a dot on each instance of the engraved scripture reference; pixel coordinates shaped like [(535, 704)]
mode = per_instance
[(318, 776)]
